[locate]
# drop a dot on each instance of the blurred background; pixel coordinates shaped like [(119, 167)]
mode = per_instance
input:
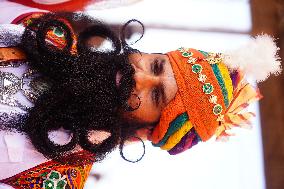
[(252, 159)]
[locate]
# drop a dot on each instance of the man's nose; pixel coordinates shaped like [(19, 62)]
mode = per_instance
[(145, 80)]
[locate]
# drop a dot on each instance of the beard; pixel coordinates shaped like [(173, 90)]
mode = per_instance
[(83, 95)]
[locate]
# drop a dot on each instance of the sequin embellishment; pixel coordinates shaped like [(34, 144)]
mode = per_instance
[(30, 84), (9, 84)]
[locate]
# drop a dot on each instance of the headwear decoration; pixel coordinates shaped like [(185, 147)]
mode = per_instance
[(211, 99)]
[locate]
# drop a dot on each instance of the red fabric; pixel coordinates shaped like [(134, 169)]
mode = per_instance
[(75, 168), (20, 19), (72, 5), (55, 40)]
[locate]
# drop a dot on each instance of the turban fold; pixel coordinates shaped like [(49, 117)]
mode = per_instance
[(209, 101)]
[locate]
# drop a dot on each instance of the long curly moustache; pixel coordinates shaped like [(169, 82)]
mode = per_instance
[(83, 95)]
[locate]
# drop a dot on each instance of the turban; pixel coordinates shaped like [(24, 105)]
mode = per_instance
[(211, 98)]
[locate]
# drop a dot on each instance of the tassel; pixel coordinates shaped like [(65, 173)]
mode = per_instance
[(258, 58)]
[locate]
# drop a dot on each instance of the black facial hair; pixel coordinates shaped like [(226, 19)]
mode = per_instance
[(83, 95)]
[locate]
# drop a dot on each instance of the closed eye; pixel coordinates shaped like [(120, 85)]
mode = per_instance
[(157, 66), (156, 96)]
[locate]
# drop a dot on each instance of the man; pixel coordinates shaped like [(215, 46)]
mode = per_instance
[(88, 100)]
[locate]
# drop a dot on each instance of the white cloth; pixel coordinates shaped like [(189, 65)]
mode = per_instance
[(9, 11), (17, 152), (9, 34), (5, 186)]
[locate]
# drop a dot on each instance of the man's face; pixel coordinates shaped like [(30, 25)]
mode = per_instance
[(155, 86)]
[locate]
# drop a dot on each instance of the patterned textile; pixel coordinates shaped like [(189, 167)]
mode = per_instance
[(55, 35), (55, 175)]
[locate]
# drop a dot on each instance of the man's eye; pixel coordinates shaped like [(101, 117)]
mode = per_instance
[(156, 95)]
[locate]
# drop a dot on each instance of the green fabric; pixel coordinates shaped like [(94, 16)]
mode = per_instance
[(221, 82), (175, 125)]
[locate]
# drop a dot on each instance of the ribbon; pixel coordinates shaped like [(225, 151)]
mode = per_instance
[(235, 116)]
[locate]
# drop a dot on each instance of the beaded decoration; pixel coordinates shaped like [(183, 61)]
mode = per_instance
[(213, 59)]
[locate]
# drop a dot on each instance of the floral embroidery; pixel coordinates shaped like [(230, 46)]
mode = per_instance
[(196, 68), (207, 88), (214, 58), (191, 60), (220, 118), (217, 109), (213, 99), (202, 78), (55, 175), (186, 54), (54, 180)]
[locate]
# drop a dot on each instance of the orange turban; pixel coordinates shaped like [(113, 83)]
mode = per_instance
[(208, 101)]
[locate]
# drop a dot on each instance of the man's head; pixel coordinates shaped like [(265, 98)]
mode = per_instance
[(154, 85)]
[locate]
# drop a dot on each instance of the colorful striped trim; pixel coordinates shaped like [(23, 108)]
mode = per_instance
[(227, 80), (221, 82), (188, 141), (205, 54), (177, 136), (175, 125)]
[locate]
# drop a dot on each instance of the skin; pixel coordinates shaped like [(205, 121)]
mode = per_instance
[(155, 86)]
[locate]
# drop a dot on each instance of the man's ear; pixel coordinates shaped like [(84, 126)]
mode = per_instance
[(98, 136), (144, 133)]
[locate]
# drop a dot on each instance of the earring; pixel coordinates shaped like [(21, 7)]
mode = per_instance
[(133, 103), (121, 146)]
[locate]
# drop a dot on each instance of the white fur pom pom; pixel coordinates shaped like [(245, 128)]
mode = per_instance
[(258, 58)]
